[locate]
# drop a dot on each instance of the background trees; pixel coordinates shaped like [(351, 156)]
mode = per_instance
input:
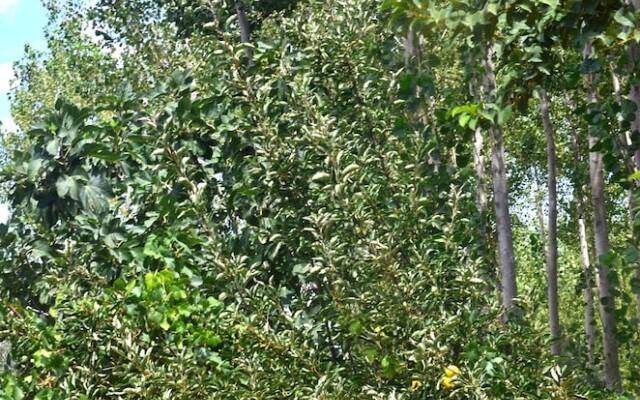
[(301, 212)]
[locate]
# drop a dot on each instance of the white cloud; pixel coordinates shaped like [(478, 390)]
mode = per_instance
[(7, 5), (6, 76), (5, 213)]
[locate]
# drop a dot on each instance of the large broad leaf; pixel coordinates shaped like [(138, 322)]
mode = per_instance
[(68, 186), (53, 147), (101, 151), (93, 196), (41, 249)]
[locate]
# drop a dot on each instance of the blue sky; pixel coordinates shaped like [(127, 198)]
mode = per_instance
[(21, 22)]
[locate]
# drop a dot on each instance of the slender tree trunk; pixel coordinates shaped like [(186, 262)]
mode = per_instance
[(488, 274), (500, 195), (617, 93), (481, 189), (538, 196), (245, 30), (634, 95), (410, 49), (632, 163), (607, 301), (552, 247), (589, 313), (486, 251), (624, 145)]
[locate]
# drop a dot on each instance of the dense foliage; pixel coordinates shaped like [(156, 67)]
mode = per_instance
[(192, 220)]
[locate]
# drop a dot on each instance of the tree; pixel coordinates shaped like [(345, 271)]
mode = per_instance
[(500, 191), (311, 220), (601, 234), (552, 247), (634, 96), (589, 317)]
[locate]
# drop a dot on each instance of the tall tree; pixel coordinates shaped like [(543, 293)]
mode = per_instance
[(552, 246), (500, 189), (601, 234), (481, 183), (589, 315), (634, 96)]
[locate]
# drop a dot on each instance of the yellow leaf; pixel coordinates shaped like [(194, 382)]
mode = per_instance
[(448, 383), (451, 371)]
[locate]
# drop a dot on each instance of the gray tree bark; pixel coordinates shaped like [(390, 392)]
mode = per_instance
[(245, 30), (539, 195), (552, 246), (5, 356), (481, 188), (488, 274), (589, 314), (634, 95), (500, 195), (601, 234), (410, 48)]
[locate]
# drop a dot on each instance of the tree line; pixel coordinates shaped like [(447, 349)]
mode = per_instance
[(306, 199)]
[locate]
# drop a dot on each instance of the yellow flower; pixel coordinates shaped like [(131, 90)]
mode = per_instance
[(450, 375), (415, 384), (448, 383), (451, 371)]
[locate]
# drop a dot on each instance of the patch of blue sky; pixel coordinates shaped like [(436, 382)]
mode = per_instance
[(22, 22)]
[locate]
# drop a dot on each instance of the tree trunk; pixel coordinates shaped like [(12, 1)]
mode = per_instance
[(500, 195), (634, 95), (410, 49), (538, 196), (481, 189), (601, 234), (487, 271), (552, 246), (589, 314), (245, 30), (632, 163)]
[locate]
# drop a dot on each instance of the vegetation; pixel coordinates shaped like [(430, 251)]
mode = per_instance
[(339, 199)]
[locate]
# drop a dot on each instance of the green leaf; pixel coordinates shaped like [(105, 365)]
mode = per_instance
[(389, 366), (214, 340), (320, 177), (356, 328), (101, 152), (93, 196), (504, 115), (196, 281), (624, 19), (41, 248), (150, 281), (465, 108), (119, 284), (464, 119), (608, 258), (165, 324), (53, 147), (67, 185)]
